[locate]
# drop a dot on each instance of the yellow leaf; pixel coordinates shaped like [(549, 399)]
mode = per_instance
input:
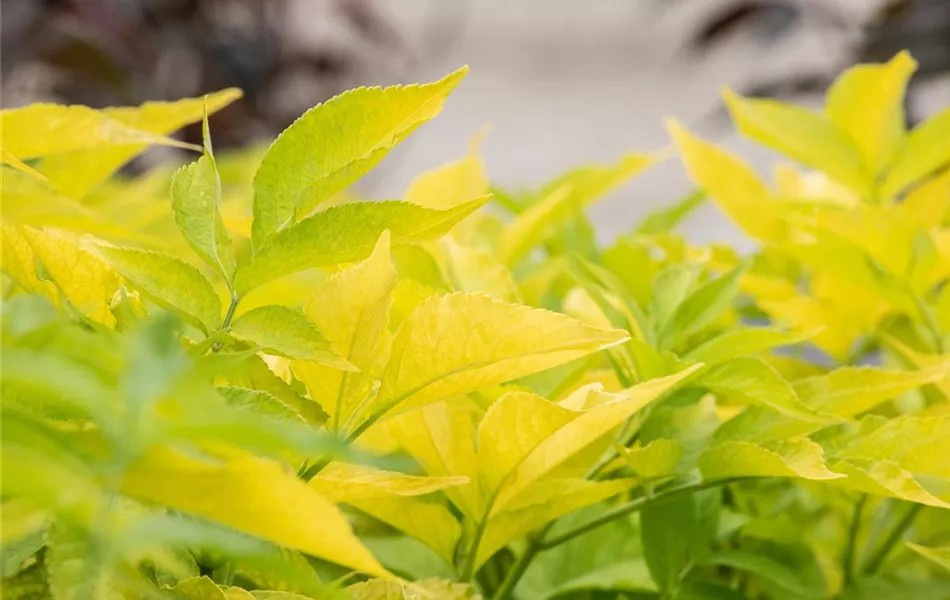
[(924, 153), (658, 458), (18, 261), (939, 555), (351, 308), (43, 129), (80, 277), (884, 478), (472, 270), (732, 185), (333, 144), (428, 521), (286, 332), (8, 159), (799, 458), (452, 183), (867, 103), (802, 135), (441, 438), (576, 435), (252, 495), (930, 201), (541, 503), (564, 198), (458, 343), (343, 482), (75, 174)]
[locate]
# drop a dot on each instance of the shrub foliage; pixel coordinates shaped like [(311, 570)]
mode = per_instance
[(252, 384)]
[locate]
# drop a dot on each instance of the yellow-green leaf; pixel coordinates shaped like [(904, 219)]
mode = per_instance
[(333, 144), (473, 270), (169, 282), (42, 129), (799, 458), (352, 309), (196, 194), (884, 478), (287, 332), (427, 520), (8, 159), (924, 152), (252, 495), (867, 103), (731, 183), (607, 413), (564, 198), (346, 233), (746, 341), (452, 183), (802, 135), (74, 174), (658, 458), (938, 554), (87, 283), (930, 201), (541, 503), (18, 261), (344, 482), (458, 343)]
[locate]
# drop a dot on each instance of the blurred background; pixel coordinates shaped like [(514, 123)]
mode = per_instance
[(561, 82)]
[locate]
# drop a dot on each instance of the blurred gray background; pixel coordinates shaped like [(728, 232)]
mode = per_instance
[(561, 82)]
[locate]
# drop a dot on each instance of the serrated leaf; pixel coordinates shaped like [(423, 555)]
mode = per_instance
[(867, 103), (335, 143), (746, 341), (287, 332), (924, 152), (346, 233), (82, 279), (452, 183), (252, 495), (196, 194), (918, 444), (473, 270), (731, 184), (799, 458), (809, 138), (169, 282), (260, 402), (74, 174), (458, 343), (252, 372), (608, 412), (43, 129), (755, 381), (352, 309)]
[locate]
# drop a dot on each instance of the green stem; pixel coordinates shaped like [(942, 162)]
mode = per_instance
[(537, 543), (308, 472), (633, 506), (848, 560), (895, 536), (230, 314)]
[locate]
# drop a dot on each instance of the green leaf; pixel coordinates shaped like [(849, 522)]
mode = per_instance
[(797, 458), (334, 144), (169, 282), (196, 194), (287, 332), (658, 458), (458, 343), (676, 533), (663, 220), (346, 233), (802, 135), (755, 381), (746, 341), (709, 302), (767, 568), (867, 103), (937, 554)]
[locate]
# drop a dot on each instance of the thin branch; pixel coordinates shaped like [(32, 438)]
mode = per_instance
[(847, 561), (893, 538)]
